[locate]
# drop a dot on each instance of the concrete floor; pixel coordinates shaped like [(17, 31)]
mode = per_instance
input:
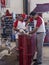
[(45, 54)]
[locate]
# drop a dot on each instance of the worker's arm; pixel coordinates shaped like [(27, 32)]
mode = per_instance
[(15, 26), (39, 22), (15, 29), (28, 21), (34, 30)]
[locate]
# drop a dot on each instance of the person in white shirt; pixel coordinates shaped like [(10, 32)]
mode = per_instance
[(19, 27), (40, 31)]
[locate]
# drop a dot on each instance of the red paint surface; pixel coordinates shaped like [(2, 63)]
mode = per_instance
[(27, 47)]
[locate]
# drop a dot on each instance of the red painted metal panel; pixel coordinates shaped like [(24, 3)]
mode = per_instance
[(47, 37), (27, 47)]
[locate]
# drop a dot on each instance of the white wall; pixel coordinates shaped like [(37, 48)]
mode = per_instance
[(46, 16), (16, 6)]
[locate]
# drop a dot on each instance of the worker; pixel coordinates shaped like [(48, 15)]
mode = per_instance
[(19, 26), (39, 29), (7, 13)]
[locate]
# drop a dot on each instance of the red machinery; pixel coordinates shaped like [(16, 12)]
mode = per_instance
[(47, 36), (27, 47)]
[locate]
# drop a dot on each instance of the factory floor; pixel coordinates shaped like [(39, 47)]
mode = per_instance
[(11, 59)]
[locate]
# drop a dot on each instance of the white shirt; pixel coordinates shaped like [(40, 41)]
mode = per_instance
[(20, 26), (42, 26)]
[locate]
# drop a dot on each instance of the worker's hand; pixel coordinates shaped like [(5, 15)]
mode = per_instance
[(16, 29), (30, 32), (22, 32)]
